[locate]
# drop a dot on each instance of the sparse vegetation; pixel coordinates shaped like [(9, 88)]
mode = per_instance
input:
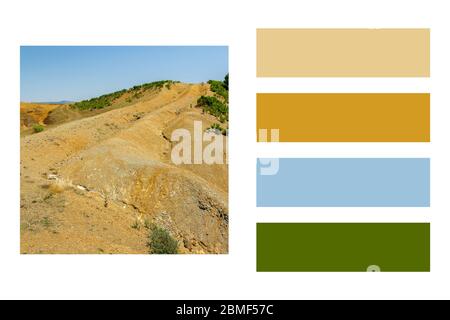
[(107, 99), (99, 102), (218, 88), (213, 106), (225, 82), (148, 224), (223, 118), (38, 128), (216, 127), (152, 85), (136, 225), (46, 222), (137, 95), (161, 242)]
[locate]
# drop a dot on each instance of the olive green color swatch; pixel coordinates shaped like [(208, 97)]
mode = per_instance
[(344, 247)]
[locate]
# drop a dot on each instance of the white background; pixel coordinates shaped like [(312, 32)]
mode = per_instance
[(230, 23)]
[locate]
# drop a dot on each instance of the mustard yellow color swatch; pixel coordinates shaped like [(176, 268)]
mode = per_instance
[(344, 117)]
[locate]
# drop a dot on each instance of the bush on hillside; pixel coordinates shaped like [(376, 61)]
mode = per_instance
[(218, 129), (215, 126), (218, 88), (38, 127), (161, 242), (153, 85), (213, 106), (225, 82), (107, 99), (99, 102)]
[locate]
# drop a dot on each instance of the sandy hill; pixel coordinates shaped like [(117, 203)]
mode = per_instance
[(32, 114), (96, 178)]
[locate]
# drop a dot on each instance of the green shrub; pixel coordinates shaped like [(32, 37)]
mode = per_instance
[(218, 88), (38, 127), (148, 224), (99, 102), (218, 128), (153, 85), (136, 225), (137, 95), (213, 106), (161, 242), (225, 82), (107, 99)]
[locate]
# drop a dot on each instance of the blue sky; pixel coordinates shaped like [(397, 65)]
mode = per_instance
[(52, 73)]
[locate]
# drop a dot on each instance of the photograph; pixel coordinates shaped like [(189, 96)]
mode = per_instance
[(135, 170), (123, 149)]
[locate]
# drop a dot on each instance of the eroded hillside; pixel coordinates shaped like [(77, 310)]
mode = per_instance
[(96, 179)]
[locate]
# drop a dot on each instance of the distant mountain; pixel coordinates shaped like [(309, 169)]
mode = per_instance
[(58, 102)]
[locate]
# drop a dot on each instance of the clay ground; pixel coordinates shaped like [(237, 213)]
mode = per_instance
[(93, 181)]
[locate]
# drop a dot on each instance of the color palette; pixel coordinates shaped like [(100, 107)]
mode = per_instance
[(343, 247), (345, 117), (344, 182), (343, 52)]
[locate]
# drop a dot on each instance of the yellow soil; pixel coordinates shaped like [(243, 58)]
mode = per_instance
[(34, 113), (91, 184)]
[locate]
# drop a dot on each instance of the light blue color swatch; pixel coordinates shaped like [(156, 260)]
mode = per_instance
[(343, 182)]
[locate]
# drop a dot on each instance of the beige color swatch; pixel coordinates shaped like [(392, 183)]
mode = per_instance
[(343, 52)]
